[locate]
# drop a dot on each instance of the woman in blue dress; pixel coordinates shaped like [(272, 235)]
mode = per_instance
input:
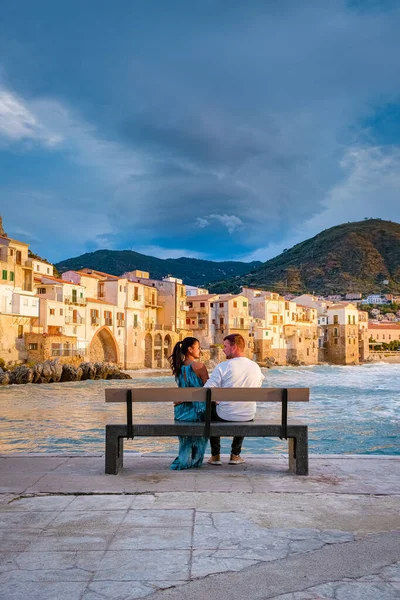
[(189, 372)]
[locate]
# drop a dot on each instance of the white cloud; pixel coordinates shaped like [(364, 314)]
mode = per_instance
[(18, 123), (202, 222), (231, 222)]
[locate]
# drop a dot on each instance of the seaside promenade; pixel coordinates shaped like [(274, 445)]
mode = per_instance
[(231, 532)]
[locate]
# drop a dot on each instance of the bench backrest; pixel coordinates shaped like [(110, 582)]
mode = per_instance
[(200, 394)]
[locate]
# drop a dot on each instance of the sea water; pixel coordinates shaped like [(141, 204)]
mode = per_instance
[(352, 410)]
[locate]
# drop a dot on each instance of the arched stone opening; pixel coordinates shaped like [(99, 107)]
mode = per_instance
[(167, 349), (158, 350), (103, 347), (148, 351)]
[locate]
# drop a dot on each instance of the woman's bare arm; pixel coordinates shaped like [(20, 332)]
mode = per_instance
[(201, 371)]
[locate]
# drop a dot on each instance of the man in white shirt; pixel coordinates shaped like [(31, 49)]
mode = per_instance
[(238, 371)]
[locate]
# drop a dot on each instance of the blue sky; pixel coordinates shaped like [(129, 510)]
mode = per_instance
[(212, 129)]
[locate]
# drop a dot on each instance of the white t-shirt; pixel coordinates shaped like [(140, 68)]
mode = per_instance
[(237, 372)]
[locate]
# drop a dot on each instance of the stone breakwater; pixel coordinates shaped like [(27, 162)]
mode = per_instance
[(52, 371)]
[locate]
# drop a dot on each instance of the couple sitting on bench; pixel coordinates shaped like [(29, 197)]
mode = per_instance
[(237, 372)]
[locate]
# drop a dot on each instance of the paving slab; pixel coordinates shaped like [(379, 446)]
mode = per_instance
[(228, 532)]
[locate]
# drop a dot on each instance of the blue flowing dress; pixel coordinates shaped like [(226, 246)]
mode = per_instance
[(191, 449)]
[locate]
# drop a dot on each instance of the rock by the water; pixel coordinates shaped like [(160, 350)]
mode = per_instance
[(22, 374), (71, 373), (4, 378), (53, 371), (119, 375), (88, 371)]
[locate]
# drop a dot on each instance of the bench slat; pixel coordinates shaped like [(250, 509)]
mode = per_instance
[(199, 394)]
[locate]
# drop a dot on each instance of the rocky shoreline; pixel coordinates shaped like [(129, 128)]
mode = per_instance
[(52, 371)]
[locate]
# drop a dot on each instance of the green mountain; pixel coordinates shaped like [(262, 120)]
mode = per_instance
[(192, 270), (353, 257)]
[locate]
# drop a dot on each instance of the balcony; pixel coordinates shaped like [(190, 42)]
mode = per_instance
[(108, 322), (27, 264), (158, 326), (27, 287), (121, 323), (74, 320), (75, 301), (136, 298), (68, 352), (95, 322)]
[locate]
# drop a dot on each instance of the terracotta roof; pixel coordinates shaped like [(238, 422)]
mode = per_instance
[(386, 325), (97, 301), (108, 275), (341, 305), (200, 297), (57, 279), (97, 277)]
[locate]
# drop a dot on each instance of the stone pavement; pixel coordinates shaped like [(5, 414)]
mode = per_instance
[(256, 531)]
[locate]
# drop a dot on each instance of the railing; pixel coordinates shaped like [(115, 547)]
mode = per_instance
[(158, 326), (74, 321), (121, 323), (138, 299), (74, 300), (68, 352), (108, 322), (95, 321)]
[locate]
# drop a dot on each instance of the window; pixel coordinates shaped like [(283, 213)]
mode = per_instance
[(136, 293), (20, 332), (153, 299), (235, 305), (202, 304), (120, 288), (11, 275), (61, 312), (221, 305), (354, 320), (135, 320), (38, 268), (349, 319), (48, 270), (212, 304), (41, 290), (335, 320), (4, 275), (286, 305), (26, 302), (244, 302), (11, 251), (32, 346), (52, 311), (335, 341), (335, 332), (187, 321), (274, 319)]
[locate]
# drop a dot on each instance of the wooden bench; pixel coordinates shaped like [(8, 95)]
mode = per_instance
[(153, 427)]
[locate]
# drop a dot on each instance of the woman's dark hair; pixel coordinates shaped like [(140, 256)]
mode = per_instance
[(179, 351)]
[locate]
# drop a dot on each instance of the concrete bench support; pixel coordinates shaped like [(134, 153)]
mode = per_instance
[(297, 438)]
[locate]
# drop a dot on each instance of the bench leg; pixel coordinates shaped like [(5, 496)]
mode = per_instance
[(114, 452), (298, 453)]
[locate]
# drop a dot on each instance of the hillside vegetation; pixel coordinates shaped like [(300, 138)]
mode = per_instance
[(354, 257), (193, 271)]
